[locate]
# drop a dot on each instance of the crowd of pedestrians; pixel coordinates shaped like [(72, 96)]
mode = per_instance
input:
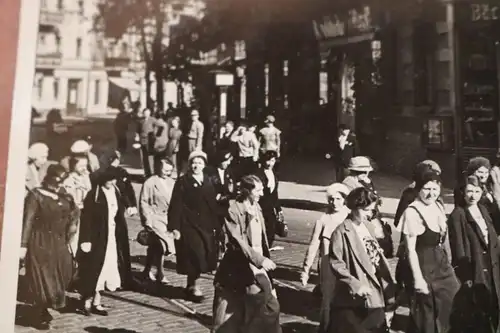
[(221, 215)]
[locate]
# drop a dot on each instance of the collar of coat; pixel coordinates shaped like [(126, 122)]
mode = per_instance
[(241, 208), (358, 250)]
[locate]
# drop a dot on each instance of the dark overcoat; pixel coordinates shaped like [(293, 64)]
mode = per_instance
[(194, 212), (474, 259), (94, 230), (270, 205)]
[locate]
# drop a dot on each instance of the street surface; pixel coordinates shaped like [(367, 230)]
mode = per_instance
[(164, 310)]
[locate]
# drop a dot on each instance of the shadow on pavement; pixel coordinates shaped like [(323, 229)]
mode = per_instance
[(303, 204), (95, 329), (23, 314), (303, 305), (297, 327)]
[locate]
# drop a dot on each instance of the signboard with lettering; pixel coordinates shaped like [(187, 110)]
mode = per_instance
[(351, 23), (479, 12)]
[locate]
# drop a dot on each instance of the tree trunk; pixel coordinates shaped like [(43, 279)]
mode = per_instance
[(149, 101), (158, 64)]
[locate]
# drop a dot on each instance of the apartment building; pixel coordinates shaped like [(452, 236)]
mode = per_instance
[(79, 71)]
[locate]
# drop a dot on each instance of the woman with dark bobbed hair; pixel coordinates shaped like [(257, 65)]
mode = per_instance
[(245, 300), (269, 202), (364, 280), (425, 266)]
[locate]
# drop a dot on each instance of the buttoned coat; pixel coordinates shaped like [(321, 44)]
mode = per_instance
[(352, 268), (194, 212), (154, 202)]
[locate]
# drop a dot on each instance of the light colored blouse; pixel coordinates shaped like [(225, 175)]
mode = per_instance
[(321, 234), (413, 224)]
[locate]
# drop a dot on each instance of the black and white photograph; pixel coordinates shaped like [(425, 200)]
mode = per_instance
[(265, 166)]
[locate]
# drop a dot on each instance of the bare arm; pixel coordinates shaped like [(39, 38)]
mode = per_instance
[(313, 246)]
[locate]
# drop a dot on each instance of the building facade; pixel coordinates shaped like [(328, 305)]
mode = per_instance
[(81, 72)]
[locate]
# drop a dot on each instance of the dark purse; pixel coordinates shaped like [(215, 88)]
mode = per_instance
[(281, 226), (144, 237)]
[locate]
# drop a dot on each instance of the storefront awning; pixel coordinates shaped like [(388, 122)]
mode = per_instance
[(121, 88), (125, 83)]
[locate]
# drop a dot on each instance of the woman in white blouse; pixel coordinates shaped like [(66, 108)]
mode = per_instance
[(475, 256), (336, 213), (427, 271)]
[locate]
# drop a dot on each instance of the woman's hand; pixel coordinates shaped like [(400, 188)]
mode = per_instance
[(363, 291), (177, 234), (86, 247), (22, 254), (268, 265), (304, 277), (422, 287)]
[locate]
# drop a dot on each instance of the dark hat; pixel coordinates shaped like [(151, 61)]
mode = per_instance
[(223, 156), (55, 174), (268, 155), (477, 162), (107, 175)]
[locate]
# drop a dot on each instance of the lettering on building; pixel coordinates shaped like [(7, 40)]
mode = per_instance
[(484, 12)]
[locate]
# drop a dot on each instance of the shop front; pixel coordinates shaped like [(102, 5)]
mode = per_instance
[(478, 48)]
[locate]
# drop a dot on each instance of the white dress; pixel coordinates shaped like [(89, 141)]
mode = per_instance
[(110, 275)]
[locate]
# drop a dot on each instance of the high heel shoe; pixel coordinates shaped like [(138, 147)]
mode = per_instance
[(99, 310)]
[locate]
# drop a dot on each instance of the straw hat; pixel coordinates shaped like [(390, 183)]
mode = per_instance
[(80, 146), (336, 188), (197, 153), (360, 163)]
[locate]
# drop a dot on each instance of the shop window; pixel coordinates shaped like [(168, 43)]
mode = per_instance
[(56, 88), (78, 47), (423, 60), (40, 87), (97, 92), (81, 7), (438, 133), (58, 43), (60, 4)]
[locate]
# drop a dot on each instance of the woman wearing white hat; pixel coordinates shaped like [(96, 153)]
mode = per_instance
[(38, 154), (194, 221), (81, 148), (336, 213)]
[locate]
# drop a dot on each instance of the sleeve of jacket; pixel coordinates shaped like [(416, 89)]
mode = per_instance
[(128, 189), (87, 217), (31, 207), (237, 237), (145, 198), (313, 246), (175, 208), (339, 266), (459, 245)]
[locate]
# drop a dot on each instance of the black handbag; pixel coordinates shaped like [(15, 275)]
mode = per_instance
[(281, 226), (144, 237)]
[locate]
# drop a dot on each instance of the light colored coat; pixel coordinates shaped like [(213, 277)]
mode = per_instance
[(353, 269), (154, 202)]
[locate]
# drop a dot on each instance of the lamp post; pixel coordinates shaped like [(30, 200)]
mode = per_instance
[(223, 80)]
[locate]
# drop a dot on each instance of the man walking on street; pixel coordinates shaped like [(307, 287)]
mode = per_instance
[(195, 134), (346, 144), (145, 136)]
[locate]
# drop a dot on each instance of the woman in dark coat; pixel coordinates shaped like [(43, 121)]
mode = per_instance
[(269, 202), (111, 161), (49, 224), (105, 252), (194, 220), (475, 256)]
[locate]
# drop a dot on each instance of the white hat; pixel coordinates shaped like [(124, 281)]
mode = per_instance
[(336, 188), (360, 163), (195, 113), (80, 146), (37, 149), (198, 153)]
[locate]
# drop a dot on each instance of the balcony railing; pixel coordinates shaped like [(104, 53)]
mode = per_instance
[(48, 60), (117, 62), (52, 18)]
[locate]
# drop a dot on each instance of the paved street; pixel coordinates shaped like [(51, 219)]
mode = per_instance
[(153, 310)]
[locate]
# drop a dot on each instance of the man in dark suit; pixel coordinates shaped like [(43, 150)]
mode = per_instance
[(346, 144), (146, 137)]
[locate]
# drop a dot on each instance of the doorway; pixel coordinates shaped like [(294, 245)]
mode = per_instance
[(73, 97)]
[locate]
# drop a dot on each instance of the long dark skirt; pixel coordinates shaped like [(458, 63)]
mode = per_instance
[(357, 320), (246, 313)]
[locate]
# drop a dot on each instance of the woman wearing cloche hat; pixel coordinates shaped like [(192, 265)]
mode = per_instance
[(194, 221)]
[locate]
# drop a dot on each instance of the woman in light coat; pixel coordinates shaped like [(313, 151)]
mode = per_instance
[(38, 154), (154, 202), (320, 239), (364, 280)]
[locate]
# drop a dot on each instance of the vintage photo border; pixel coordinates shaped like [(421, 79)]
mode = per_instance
[(17, 130)]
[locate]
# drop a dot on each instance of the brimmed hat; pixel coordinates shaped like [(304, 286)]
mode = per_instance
[(270, 119), (268, 155), (195, 113), (55, 174), (224, 156), (79, 147), (197, 153), (108, 175), (336, 188), (360, 163), (476, 163), (37, 149), (432, 164)]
